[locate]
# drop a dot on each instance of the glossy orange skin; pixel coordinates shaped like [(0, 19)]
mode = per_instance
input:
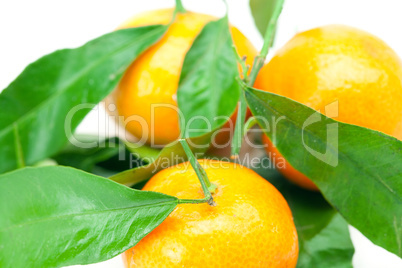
[(251, 226), (154, 77), (344, 64)]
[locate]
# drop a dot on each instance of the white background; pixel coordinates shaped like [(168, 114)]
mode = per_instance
[(30, 29)]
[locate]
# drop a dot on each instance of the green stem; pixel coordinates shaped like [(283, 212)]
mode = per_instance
[(207, 186), (251, 122), (179, 7), (194, 201), (239, 127), (242, 62), (268, 39), (227, 9), (249, 80)]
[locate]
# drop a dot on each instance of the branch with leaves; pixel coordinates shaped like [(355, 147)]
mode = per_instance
[(61, 216)]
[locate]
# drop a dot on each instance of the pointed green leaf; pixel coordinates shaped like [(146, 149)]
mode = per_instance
[(46, 102), (144, 152), (262, 11), (86, 158), (58, 216), (110, 155), (331, 247), (208, 91), (358, 170), (171, 154)]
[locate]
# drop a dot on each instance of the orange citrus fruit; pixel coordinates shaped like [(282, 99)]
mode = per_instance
[(251, 225), (338, 63), (148, 88)]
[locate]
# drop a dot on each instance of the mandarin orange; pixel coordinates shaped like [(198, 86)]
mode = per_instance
[(152, 79), (338, 64), (251, 225)]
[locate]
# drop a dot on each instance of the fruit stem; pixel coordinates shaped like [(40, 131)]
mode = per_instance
[(239, 127), (249, 80), (242, 62), (179, 7), (207, 187), (251, 122), (198, 201), (268, 39), (227, 9)]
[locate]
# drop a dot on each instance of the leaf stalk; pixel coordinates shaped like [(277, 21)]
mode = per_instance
[(249, 80), (207, 187), (179, 7)]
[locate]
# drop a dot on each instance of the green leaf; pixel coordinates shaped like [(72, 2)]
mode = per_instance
[(86, 158), (358, 170), (331, 246), (110, 154), (208, 91), (171, 154), (145, 152), (59, 89), (58, 216), (262, 11), (324, 239)]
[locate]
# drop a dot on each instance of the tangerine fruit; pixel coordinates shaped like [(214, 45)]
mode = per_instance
[(338, 63), (153, 78), (251, 225)]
